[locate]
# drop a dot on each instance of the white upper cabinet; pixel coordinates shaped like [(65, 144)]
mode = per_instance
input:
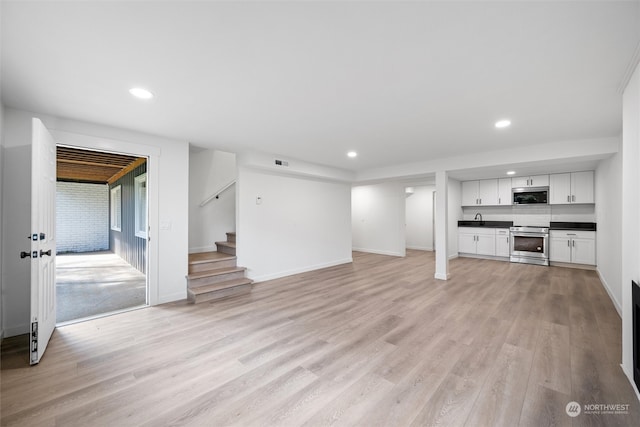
[(488, 192), (560, 188), (480, 193), (564, 189), (504, 192), (574, 187), (470, 193), (530, 181), (582, 184)]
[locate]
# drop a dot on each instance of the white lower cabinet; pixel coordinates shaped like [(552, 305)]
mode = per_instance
[(477, 241), (502, 242), (576, 247)]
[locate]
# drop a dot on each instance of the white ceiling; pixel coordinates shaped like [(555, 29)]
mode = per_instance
[(398, 82)]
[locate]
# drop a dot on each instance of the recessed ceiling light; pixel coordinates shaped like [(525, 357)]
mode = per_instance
[(503, 123), (511, 173), (352, 154), (141, 93)]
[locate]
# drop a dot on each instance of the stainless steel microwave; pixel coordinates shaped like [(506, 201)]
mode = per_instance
[(530, 195)]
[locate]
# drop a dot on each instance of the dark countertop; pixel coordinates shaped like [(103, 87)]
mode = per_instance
[(486, 224), (582, 226)]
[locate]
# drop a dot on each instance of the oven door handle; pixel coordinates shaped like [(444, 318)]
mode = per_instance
[(524, 234)]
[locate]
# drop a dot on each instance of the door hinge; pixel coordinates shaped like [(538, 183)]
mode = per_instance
[(34, 342)]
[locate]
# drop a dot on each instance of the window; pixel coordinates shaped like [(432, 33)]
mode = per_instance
[(140, 189), (116, 208)]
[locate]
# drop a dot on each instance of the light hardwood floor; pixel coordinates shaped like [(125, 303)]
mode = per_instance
[(378, 342)]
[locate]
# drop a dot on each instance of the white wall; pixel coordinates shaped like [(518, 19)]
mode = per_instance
[(82, 217), (378, 218), (168, 205), (630, 212), (1, 212), (16, 205), (209, 171), (609, 218), (300, 224), (419, 218), (454, 199), (1, 181)]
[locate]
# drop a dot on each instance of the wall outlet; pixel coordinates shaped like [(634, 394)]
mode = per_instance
[(282, 163)]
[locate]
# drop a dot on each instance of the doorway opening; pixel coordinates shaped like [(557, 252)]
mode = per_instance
[(101, 227), (419, 217)]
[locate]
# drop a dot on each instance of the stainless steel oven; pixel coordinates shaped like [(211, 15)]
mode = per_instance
[(529, 245)]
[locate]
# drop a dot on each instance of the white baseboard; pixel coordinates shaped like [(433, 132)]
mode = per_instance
[(271, 276), (176, 296), (453, 256), (16, 330), (441, 276), (421, 248), (608, 289), (203, 249), (377, 252)]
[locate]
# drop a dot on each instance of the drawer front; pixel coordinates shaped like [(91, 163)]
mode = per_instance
[(577, 234), (502, 231)]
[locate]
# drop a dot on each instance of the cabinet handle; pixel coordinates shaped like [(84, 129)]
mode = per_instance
[(573, 198), (569, 243), (499, 201), (480, 202), (568, 198), (574, 243)]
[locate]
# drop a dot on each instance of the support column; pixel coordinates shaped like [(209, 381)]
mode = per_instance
[(441, 230)]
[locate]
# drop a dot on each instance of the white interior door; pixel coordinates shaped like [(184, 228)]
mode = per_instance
[(43, 240)]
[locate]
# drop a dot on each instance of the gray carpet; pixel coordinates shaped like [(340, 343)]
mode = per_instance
[(96, 283)]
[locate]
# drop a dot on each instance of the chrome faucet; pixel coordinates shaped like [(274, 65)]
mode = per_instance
[(478, 215)]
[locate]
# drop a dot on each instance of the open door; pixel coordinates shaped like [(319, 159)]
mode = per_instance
[(43, 241)]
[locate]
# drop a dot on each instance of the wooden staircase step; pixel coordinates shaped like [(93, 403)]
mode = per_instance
[(231, 237), (220, 290), (200, 257), (205, 261), (226, 247), (209, 277)]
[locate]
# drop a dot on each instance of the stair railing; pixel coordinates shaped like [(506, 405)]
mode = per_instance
[(217, 194)]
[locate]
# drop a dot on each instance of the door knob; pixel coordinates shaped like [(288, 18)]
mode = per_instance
[(42, 253), (24, 254)]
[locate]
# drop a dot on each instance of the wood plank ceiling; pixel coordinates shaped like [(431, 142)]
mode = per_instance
[(92, 166)]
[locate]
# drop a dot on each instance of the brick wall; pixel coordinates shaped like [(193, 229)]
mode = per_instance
[(82, 217)]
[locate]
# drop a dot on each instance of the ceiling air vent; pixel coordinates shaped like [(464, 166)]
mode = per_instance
[(282, 163)]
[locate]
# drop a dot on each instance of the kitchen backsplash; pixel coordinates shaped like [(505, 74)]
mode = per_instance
[(539, 215)]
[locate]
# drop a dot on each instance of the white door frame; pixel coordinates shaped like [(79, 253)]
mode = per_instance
[(139, 150)]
